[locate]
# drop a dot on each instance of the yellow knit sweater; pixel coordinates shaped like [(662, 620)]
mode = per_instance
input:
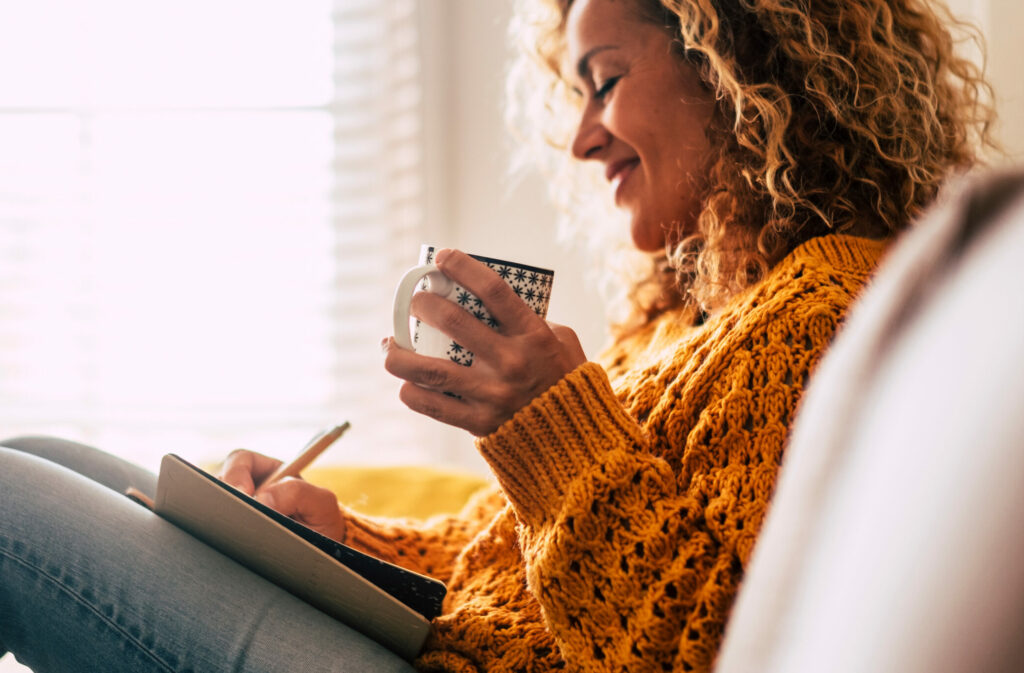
[(631, 494)]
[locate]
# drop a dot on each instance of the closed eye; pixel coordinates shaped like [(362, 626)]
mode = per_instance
[(606, 88)]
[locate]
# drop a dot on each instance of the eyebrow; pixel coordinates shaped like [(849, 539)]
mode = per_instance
[(583, 65)]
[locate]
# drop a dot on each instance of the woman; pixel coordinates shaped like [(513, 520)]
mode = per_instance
[(765, 152)]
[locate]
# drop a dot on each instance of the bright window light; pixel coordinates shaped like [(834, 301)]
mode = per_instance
[(203, 207)]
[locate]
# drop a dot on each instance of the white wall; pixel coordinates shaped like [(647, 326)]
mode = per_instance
[(1001, 22), (472, 203), (1005, 19)]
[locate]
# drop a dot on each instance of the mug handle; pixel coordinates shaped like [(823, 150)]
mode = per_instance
[(437, 282)]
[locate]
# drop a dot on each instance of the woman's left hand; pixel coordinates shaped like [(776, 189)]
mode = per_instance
[(511, 365)]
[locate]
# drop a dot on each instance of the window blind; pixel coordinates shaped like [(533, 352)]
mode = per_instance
[(203, 210)]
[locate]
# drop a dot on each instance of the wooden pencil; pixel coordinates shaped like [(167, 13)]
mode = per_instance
[(294, 467)]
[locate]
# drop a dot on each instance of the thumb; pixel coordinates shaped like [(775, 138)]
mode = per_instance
[(266, 498), (569, 340)]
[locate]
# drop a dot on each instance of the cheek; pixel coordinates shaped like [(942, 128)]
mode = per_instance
[(684, 153), (670, 141)]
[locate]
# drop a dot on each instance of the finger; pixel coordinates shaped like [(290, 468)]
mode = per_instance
[(429, 372), (288, 496), (511, 312), (244, 469), (460, 325), (445, 408)]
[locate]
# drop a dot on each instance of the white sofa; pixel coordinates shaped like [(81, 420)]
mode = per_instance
[(895, 541)]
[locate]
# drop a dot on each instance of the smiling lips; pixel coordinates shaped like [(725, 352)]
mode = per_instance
[(617, 172)]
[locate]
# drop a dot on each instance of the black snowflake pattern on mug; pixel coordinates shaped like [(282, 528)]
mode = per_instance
[(532, 285)]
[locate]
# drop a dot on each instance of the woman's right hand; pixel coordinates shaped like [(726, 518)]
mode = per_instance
[(297, 499)]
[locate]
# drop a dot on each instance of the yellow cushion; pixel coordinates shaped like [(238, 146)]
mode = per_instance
[(406, 491)]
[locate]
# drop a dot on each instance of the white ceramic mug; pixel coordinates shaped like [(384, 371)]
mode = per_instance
[(531, 283)]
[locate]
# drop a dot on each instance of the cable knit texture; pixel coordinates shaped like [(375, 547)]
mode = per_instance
[(632, 493)]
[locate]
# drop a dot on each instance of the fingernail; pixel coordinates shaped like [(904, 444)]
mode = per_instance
[(266, 499), (442, 255), (384, 345)]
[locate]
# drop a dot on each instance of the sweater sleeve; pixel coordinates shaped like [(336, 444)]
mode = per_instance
[(429, 547), (635, 567)]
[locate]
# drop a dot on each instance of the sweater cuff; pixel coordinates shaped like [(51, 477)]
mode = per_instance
[(537, 453)]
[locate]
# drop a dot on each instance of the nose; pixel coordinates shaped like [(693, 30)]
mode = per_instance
[(591, 135)]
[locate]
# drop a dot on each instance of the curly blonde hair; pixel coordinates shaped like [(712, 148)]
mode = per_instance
[(832, 116)]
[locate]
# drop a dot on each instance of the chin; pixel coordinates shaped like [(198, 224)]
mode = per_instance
[(647, 238)]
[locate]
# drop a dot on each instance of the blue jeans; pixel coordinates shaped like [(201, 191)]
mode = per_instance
[(91, 581)]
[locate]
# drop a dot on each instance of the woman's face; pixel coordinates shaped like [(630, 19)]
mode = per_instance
[(645, 112)]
